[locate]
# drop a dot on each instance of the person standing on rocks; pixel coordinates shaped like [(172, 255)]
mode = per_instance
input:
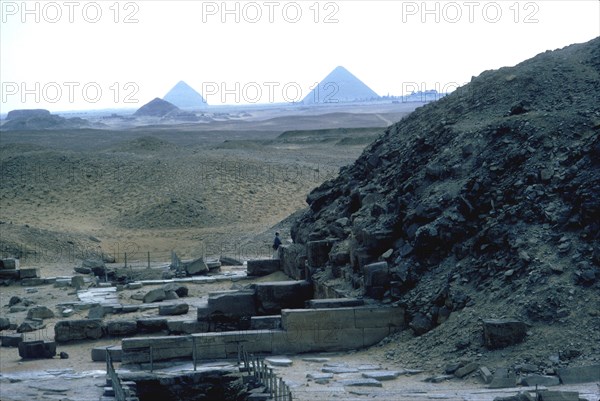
[(276, 245)]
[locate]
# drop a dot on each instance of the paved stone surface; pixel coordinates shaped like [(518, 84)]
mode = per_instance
[(319, 376), (360, 383), (279, 361), (381, 375), (338, 370)]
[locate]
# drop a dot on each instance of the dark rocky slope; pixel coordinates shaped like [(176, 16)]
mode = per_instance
[(488, 199)]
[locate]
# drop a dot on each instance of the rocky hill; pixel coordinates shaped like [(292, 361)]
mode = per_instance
[(40, 119), (484, 204)]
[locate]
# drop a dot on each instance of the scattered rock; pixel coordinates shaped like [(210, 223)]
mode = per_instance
[(40, 312), (180, 289), (37, 349), (466, 370), (381, 375), (30, 325), (4, 323), (581, 374), (156, 295), (539, 380), (173, 309), (96, 312), (71, 330), (498, 333), (338, 369), (134, 286), (360, 383), (420, 324)]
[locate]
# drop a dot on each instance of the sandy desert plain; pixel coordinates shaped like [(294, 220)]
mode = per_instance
[(200, 189)]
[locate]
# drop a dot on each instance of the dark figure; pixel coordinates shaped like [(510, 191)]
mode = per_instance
[(276, 245)]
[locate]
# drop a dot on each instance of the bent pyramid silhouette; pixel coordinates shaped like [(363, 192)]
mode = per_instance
[(184, 96), (340, 86)]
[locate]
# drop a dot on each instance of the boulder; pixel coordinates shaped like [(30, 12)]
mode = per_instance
[(40, 312), (546, 395), (96, 266), (4, 323), (173, 309), (30, 325), (196, 266), (466, 370), (317, 252), (14, 300), (151, 325), (37, 349), (500, 333), (420, 324), (540, 380), (72, 330), (180, 289), (231, 304), (171, 295), (29, 273), (96, 312), (121, 328), (292, 260), (272, 297), (82, 270), (263, 267), (376, 278), (9, 264), (77, 282), (155, 295), (11, 340), (579, 374)]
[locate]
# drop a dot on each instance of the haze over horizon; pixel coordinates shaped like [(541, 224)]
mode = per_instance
[(94, 55)]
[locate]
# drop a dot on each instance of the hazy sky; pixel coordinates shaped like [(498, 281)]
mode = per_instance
[(71, 55)]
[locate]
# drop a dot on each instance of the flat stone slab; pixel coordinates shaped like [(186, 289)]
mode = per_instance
[(381, 375), (11, 340), (360, 383), (559, 396), (338, 369), (285, 362), (316, 359), (319, 376), (369, 367), (99, 353), (503, 382), (540, 380), (581, 374), (334, 303)]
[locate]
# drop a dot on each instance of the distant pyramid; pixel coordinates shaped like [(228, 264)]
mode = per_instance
[(340, 86), (156, 108), (184, 96)]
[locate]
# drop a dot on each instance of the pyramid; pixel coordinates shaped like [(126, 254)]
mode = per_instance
[(340, 86), (155, 108), (184, 96)]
